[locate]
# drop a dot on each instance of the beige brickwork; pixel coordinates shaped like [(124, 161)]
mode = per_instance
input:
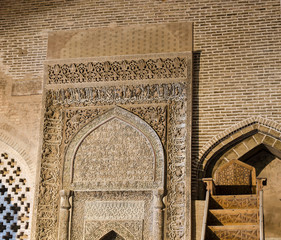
[(237, 56), (237, 51)]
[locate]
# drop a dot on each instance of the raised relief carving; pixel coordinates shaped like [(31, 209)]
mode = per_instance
[(233, 203), (176, 183), (141, 150), (233, 217), (249, 234), (125, 70), (113, 152), (125, 94), (49, 186), (76, 118), (128, 230), (136, 217), (114, 210), (154, 115), (73, 112), (235, 174)]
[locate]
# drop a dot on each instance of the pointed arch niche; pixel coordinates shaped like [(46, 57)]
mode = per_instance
[(257, 142), (113, 156), (122, 139)]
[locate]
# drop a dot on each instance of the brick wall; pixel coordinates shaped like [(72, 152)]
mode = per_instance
[(237, 63)]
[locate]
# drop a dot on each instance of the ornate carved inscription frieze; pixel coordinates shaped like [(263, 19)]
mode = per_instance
[(176, 181), (125, 70), (125, 94), (50, 173)]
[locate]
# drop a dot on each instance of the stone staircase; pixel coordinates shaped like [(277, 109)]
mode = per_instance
[(233, 217)]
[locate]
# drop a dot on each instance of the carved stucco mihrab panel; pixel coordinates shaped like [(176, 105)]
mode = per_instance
[(129, 124), (124, 217), (163, 103), (112, 210), (114, 151), (136, 206)]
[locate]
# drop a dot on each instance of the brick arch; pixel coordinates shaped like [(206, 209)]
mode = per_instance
[(10, 144), (246, 145), (235, 142)]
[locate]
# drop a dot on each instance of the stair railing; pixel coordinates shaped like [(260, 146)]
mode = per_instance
[(260, 183), (204, 224), (261, 215), (210, 190)]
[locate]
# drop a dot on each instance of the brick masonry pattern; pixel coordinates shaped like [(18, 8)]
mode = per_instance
[(237, 44)]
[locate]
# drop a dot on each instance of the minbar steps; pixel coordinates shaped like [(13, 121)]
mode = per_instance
[(233, 217)]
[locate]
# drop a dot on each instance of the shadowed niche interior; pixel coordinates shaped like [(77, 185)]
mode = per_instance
[(112, 235)]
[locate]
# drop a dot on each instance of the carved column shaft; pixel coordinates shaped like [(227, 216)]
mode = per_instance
[(158, 216), (64, 215)]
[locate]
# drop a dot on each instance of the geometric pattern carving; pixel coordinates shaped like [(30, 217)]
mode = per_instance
[(249, 233), (114, 210), (131, 70), (235, 173), (241, 202), (14, 200), (234, 217)]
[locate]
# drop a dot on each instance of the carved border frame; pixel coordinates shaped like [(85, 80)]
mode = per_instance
[(177, 149)]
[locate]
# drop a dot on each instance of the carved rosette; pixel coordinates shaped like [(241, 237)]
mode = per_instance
[(156, 90)]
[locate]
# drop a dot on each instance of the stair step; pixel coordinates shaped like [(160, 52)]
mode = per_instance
[(234, 201), (237, 232), (233, 216)]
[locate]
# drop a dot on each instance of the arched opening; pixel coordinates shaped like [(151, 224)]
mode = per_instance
[(268, 165), (258, 145), (112, 235)]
